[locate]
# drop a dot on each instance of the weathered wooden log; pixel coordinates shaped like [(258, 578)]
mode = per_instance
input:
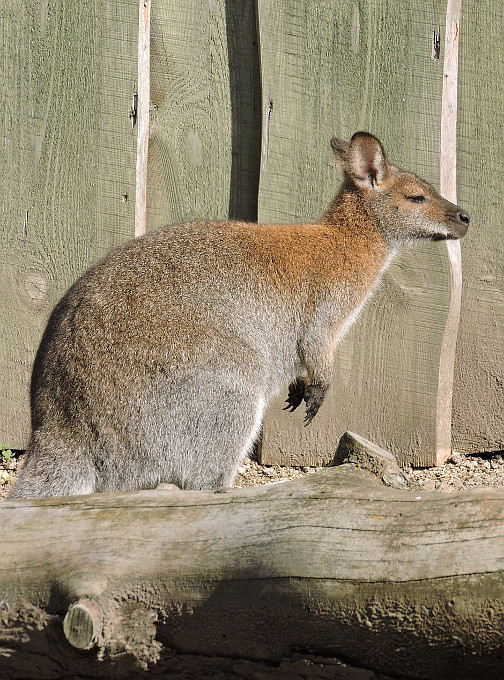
[(402, 582)]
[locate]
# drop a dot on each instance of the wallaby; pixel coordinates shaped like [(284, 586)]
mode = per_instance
[(158, 363)]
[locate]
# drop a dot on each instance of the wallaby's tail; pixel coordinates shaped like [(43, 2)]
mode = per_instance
[(54, 473)]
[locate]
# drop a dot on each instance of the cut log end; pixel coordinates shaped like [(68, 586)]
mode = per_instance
[(83, 623)]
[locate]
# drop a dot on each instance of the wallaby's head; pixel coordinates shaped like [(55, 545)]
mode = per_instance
[(406, 207)]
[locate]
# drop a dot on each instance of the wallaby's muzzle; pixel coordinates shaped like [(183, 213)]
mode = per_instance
[(459, 224), (457, 220)]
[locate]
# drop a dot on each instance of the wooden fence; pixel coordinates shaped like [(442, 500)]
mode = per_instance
[(244, 97)]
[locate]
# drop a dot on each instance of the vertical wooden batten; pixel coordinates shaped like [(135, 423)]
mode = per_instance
[(448, 188), (143, 115)]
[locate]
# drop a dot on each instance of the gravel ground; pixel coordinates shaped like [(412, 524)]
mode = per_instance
[(459, 472), (8, 470)]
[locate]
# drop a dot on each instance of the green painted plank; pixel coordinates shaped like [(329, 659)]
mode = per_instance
[(331, 69), (478, 414), (68, 163), (204, 144)]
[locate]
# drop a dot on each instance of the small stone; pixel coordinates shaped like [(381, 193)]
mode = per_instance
[(394, 479), (5, 477), (429, 485), (446, 488)]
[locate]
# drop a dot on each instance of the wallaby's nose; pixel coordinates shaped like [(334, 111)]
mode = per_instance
[(459, 222), (464, 217)]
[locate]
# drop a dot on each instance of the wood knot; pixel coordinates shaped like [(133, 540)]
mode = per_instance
[(36, 287)]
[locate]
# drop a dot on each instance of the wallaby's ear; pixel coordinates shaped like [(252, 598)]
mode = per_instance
[(366, 161), (340, 149)]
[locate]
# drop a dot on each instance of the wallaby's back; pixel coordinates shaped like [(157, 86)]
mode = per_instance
[(158, 363)]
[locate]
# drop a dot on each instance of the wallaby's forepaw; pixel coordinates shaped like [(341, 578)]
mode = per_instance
[(296, 394), (313, 396)]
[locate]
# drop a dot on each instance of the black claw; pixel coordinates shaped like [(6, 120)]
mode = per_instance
[(310, 415), (296, 395), (314, 396)]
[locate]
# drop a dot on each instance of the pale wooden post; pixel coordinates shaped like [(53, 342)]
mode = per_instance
[(448, 188), (144, 12)]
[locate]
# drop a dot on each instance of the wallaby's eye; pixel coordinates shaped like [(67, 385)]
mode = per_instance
[(417, 199)]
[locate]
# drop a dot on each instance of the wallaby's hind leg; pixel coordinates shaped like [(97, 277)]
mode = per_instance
[(201, 428), (223, 437), (192, 431)]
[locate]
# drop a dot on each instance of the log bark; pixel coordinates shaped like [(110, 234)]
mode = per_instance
[(398, 581)]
